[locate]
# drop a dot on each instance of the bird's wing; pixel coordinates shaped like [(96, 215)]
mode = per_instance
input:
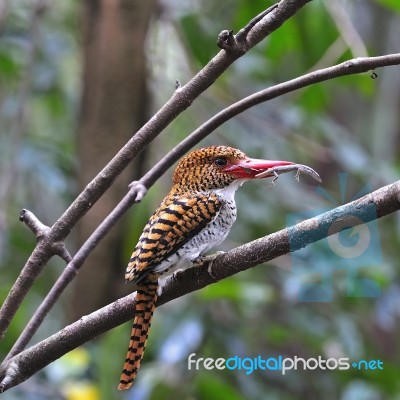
[(177, 220)]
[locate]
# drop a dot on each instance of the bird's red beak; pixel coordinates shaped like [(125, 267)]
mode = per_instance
[(250, 167)]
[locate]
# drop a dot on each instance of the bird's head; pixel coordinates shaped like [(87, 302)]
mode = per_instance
[(217, 167)]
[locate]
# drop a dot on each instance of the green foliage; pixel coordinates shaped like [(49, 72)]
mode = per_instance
[(390, 4), (209, 384)]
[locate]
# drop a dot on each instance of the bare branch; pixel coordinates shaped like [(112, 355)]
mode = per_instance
[(179, 101), (32, 222), (60, 250), (374, 205), (243, 33), (237, 43), (41, 232)]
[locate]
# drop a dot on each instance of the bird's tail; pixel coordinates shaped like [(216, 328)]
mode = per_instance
[(145, 304)]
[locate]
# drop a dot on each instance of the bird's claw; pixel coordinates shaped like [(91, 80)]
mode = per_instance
[(199, 261)]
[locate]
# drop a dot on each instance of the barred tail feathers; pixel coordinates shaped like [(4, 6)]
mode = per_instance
[(145, 303)]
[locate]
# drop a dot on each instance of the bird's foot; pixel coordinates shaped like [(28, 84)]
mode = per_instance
[(199, 261)]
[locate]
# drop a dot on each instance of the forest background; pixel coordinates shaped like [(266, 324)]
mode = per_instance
[(79, 78)]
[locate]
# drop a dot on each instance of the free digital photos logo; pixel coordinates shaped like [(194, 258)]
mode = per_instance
[(352, 254)]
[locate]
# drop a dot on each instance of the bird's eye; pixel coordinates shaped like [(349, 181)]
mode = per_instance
[(220, 161)]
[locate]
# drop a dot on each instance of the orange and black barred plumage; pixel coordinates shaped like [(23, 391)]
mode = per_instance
[(176, 221), (195, 216), (145, 302)]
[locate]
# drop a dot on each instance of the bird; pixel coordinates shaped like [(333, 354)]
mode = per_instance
[(195, 216)]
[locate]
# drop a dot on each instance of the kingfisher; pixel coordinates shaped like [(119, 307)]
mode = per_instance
[(194, 217)]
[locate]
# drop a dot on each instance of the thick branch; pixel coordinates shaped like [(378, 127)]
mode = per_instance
[(374, 205), (179, 101)]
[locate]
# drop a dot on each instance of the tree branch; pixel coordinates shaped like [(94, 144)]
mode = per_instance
[(31, 221), (179, 101), (374, 205), (139, 188)]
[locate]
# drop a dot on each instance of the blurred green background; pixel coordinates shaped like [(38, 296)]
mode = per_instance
[(77, 79)]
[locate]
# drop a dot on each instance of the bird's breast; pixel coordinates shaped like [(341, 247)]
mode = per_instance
[(214, 233)]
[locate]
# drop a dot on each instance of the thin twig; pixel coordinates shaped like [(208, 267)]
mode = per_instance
[(33, 223), (243, 33), (374, 205), (237, 43), (41, 232), (60, 250), (179, 101)]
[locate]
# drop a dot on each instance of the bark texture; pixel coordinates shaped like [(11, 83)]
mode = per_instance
[(114, 106)]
